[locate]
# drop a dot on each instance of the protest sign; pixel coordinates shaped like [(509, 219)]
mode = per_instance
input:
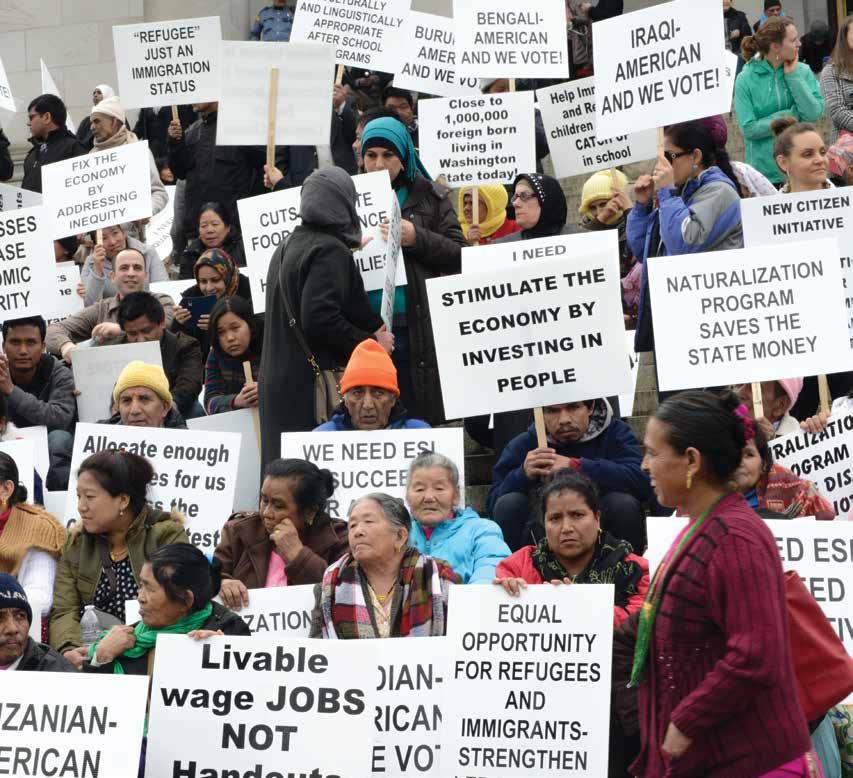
[(366, 37), (304, 104), (377, 461), (7, 102), (85, 725), (541, 333), (173, 62), (27, 277), (732, 317), (626, 401), (392, 254), (173, 289), (97, 190), (12, 198), (472, 141), (660, 66), (249, 705), (24, 453), (195, 472), (97, 369), (429, 58), (69, 302), (505, 39), (534, 674), (41, 454), (568, 115), (48, 87), (158, 232)]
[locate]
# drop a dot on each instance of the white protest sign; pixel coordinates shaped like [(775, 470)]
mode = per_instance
[(173, 62), (23, 451), (41, 453), (7, 102), (12, 198), (660, 66), (732, 317), (377, 461), (72, 724), (506, 39), (97, 369), (568, 114), (376, 203), (471, 141), (626, 401), (367, 36), (27, 277), (304, 106), (531, 681), (67, 278), (173, 289), (48, 87), (392, 254), (249, 705), (542, 333), (101, 189), (54, 502), (429, 58), (158, 232), (196, 472)]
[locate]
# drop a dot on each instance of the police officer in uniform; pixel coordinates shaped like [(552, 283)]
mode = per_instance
[(273, 23)]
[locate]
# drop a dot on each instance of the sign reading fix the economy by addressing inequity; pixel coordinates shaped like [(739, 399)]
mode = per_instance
[(541, 333), (731, 317), (660, 66), (487, 139), (174, 62), (534, 674)]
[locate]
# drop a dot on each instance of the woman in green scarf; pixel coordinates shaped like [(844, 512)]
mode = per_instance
[(176, 590)]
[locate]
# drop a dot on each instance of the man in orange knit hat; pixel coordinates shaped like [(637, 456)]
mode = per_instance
[(371, 397)]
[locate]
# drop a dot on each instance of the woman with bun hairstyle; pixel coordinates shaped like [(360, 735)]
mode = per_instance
[(290, 540), (772, 84), (717, 690)]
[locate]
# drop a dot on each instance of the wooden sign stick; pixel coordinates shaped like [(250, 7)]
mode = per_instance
[(256, 419), (541, 434), (823, 391), (339, 75), (757, 401), (271, 118), (99, 237), (475, 211), (175, 117)]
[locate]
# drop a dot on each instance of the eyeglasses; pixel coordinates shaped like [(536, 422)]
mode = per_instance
[(523, 196), (671, 156), (32, 116)]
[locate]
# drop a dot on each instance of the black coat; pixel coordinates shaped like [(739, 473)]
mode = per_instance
[(153, 126), (233, 246), (40, 658), (736, 20), (7, 167), (60, 145)]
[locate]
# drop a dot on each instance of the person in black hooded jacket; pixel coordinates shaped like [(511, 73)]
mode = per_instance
[(7, 167), (52, 142)]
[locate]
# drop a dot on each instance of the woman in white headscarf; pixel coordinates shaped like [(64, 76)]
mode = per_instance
[(84, 129)]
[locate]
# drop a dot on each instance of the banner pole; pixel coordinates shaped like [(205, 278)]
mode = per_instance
[(175, 117), (757, 401), (339, 75), (271, 118), (823, 391), (475, 211)]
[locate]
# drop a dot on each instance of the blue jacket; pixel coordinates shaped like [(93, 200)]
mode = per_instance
[(272, 24), (472, 546), (340, 422)]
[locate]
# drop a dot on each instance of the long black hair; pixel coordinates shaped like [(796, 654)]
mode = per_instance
[(9, 472), (241, 308), (695, 135)]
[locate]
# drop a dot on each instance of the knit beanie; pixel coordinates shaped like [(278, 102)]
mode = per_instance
[(139, 373), (12, 595), (792, 387), (109, 106), (370, 365), (599, 186), (772, 3)]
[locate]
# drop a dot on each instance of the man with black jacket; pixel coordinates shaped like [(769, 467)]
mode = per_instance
[(153, 126), (52, 142), (737, 26), (7, 168)]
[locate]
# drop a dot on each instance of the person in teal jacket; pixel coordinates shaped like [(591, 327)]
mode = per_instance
[(471, 545), (772, 84)]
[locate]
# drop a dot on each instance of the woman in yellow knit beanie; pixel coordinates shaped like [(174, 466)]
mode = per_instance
[(493, 222)]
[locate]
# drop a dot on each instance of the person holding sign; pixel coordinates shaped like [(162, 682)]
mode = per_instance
[(493, 223), (142, 398), (777, 397)]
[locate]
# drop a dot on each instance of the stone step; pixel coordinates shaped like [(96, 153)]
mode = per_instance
[(475, 496), (478, 469)]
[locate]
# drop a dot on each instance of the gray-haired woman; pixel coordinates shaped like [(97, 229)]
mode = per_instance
[(382, 588), (443, 528)]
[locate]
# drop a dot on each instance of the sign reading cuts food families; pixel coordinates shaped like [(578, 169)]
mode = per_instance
[(660, 66), (733, 317), (257, 706), (534, 674), (487, 139)]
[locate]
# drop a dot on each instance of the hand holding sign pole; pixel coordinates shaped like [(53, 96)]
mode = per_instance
[(757, 401), (823, 391)]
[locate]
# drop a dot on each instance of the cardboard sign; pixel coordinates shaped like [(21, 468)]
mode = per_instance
[(67, 278), (392, 254), (24, 453), (7, 102), (540, 334), (173, 289), (100, 189), (243, 705), (568, 114), (173, 62), (660, 66), (41, 454), (429, 58), (13, 198), (367, 36), (732, 317), (158, 233), (506, 39), (471, 141), (534, 674), (363, 462), (49, 87)]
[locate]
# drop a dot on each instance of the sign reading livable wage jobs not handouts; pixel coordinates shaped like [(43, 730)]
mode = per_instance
[(731, 317)]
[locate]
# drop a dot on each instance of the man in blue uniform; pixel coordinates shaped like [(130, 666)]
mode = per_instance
[(273, 23)]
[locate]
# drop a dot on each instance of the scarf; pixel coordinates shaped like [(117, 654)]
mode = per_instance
[(222, 263), (346, 615), (27, 527), (146, 637), (608, 565), (120, 138), (491, 221), (391, 134), (552, 201)]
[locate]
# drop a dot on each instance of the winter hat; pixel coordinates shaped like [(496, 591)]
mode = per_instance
[(138, 373), (792, 387), (599, 186), (12, 595), (370, 365), (109, 106), (772, 4)]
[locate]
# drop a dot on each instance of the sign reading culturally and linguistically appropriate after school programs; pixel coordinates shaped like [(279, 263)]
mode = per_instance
[(260, 707), (542, 333), (660, 66), (473, 141), (733, 317), (534, 675), (508, 39), (172, 62)]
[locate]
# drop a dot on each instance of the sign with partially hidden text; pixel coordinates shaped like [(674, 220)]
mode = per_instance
[(392, 256), (7, 102), (68, 301), (13, 198)]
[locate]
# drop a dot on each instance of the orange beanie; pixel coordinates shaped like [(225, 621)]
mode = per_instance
[(369, 365)]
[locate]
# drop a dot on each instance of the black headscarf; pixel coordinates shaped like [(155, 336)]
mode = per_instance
[(552, 201), (328, 201)]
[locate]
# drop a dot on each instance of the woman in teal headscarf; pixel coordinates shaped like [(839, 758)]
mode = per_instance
[(432, 243)]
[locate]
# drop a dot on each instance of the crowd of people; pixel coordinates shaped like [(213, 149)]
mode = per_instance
[(704, 679)]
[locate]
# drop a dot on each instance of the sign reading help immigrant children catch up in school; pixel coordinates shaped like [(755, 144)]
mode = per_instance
[(487, 139), (660, 66), (747, 315)]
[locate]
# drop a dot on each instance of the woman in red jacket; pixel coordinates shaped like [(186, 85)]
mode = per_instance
[(576, 550)]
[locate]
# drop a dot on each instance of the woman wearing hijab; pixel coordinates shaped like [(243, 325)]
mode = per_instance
[(84, 129), (313, 275), (432, 243), (493, 223)]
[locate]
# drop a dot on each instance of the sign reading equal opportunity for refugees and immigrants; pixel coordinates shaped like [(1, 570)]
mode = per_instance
[(732, 317), (542, 333)]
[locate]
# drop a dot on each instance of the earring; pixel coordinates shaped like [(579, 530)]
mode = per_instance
[(599, 534), (689, 480)]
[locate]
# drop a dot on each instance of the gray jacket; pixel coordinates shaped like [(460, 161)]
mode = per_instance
[(99, 287), (838, 94), (48, 401)]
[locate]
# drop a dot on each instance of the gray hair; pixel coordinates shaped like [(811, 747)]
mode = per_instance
[(433, 459), (393, 508)]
